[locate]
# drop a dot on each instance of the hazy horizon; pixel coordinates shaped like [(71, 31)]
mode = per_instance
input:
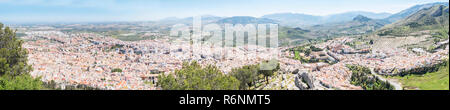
[(72, 11)]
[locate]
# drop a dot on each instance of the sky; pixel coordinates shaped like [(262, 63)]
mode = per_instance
[(27, 11)]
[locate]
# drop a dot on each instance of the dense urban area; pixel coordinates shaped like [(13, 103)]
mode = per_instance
[(399, 52)]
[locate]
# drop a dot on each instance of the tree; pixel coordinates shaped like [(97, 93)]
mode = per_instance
[(12, 56), (307, 52), (193, 77), (247, 76), (315, 49), (266, 69), (116, 70), (20, 82), (361, 76), (14, 70)]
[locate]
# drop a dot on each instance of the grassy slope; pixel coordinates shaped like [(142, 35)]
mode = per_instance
[(431, 81), (425, 19)]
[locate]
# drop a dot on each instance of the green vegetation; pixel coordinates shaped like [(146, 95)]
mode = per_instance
[(247, 76), (307, 50), (360, 25), (14, 70), (193, 77), (117, 46), (438, 80), (440, 35), (301, 49), (250, 75), (286, 32), (361, 76), (267, 65), (297, 55), (156, 72), (315, 49), (304, 59), (293, 36), (361, 42), (20, 34), (422, 70), (398, 31), (128, 35), (151, 83), (356, 44), (20, 82), (433, 18), (116, 70)]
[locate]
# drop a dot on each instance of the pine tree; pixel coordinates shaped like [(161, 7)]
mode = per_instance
[(14, 70)]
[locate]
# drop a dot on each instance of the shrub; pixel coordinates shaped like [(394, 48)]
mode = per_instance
[(20, 82), (361, 76), (116, 70), (247, 75), (193, 77)]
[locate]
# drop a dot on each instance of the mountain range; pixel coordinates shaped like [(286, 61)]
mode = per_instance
[(246, 20), (435, 17), (296, 27), (302, 20), (359, 25), (284, 19), (412, 10), (305, 20)]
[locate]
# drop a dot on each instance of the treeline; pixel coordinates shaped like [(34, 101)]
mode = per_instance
[(194, 77), (249, 75), (361, 76), (14, 70), (424, 69), (307, 50)]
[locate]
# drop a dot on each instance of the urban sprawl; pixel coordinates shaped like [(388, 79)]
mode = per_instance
[(89, 59)]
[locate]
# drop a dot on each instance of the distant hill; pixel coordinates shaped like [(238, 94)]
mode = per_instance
[(348, 16), (294, 19), (189, 20), (286, 35), (432, 18), (293, 36), (246, 20), (405, 13), (303, 20), (361, 18), (205, 19), (359, 25)]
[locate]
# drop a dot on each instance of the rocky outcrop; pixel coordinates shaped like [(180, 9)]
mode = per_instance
[(304, 81)]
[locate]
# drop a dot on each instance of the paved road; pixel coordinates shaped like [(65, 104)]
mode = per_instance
[(396, 85)]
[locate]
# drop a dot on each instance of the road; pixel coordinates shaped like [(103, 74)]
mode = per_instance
[(396, 85)]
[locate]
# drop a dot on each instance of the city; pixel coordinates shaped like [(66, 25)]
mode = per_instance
[(341, 51)]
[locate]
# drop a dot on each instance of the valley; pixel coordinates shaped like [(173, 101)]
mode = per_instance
[(348, 51)]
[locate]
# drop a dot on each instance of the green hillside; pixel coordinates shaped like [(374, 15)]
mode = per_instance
[(359, 25), (438, 80), (434, 18)]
